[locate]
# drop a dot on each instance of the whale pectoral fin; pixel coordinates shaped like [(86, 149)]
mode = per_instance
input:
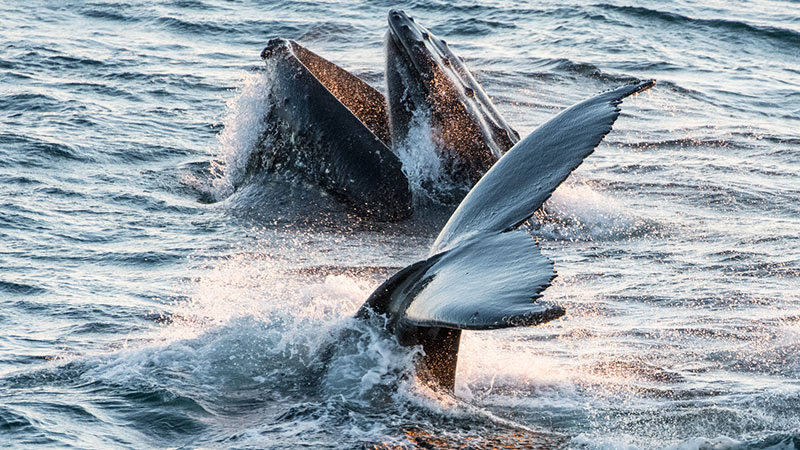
[(525, 177), (490, 281)]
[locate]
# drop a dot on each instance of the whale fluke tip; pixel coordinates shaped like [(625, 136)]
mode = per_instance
[(646, 84)]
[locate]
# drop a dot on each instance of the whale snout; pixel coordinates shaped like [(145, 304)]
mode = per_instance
[(397, 14), (400, 22), (274, 45)]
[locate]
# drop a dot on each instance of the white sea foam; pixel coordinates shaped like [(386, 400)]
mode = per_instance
[(248, 321), (243, 318), (717, 443), (619, 442)]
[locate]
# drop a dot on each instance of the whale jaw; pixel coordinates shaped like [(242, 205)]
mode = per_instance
[(313, 104)]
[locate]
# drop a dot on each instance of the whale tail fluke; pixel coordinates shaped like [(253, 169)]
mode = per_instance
[(488, 282), (485, 272)]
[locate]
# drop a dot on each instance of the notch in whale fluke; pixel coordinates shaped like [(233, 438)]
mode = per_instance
[(484, 272), (333, 128)]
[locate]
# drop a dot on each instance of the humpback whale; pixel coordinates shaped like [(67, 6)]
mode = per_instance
[(333, 125), (423, 73), (341, 133), (483, 271)]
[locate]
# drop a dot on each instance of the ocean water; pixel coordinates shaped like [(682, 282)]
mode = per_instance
[(154, 296)]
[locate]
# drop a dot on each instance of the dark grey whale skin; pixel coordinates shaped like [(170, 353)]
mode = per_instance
[(333, 127), (422, 72), (484, 272)]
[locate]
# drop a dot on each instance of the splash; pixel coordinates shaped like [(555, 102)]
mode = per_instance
[(244, 127), (253, 322), (491, 363), (244, 319), (419, 155), (577, 212)]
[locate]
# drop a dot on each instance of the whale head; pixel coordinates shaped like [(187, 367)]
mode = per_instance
[(422, 73)]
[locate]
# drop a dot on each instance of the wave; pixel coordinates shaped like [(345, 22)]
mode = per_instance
[(23, 429), (20, 288), (32, 102), (38, 152), (338, 31), (76, 62), (112, 13), (131, 14), (587, 70), (780, 36), (195, 27), (678, 143), (473, 26), (776, 441), (221, 28), (192, 4)]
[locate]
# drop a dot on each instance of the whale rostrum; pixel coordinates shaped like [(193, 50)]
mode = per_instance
[(423, 73)]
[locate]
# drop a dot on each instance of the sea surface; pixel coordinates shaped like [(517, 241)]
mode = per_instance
[(153, 295)]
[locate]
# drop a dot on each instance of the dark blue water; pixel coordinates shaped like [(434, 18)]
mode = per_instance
[(145, 302)]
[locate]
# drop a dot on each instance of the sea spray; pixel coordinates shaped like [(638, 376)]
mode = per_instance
[(244, 127), (576, 211), (420, 158)]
